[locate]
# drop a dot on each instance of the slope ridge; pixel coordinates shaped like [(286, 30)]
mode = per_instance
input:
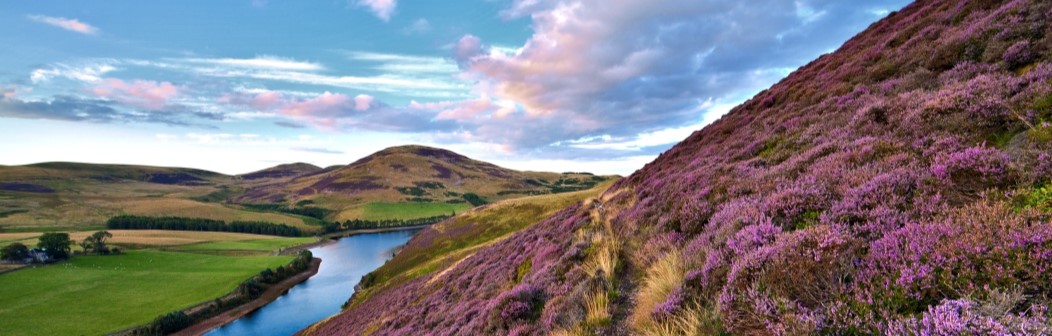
[(896, 186)]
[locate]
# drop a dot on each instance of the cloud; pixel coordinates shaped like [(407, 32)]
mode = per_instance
[(336, 112), (381, 8), (8, 93), (418, 27), (84, 73), (140, 93), (73, 25), (316, 150), (629, 77), (260, 62), (66, 108), (289, 124)]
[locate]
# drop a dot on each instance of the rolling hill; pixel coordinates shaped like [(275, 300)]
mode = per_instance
[(899, 185), (396, 183), (414, 179)]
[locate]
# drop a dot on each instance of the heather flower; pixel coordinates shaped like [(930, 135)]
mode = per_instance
[(1019, 54), (671, 306)]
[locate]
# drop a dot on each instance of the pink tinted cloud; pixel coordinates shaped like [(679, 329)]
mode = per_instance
[(267, 100), (363, 102), (67, 24), (140, 93), (468, 110), (382, 8), (325, 105)]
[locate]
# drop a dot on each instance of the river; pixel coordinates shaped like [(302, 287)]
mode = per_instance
[(342, 265)]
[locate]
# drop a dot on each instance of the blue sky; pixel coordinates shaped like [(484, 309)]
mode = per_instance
[(235, 86)]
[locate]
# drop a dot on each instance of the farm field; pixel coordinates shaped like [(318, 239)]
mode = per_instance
[(102, 294), (256, 245)]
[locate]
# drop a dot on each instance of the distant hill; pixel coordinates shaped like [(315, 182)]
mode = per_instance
[(401, 182), (282, 171), (415, 175)]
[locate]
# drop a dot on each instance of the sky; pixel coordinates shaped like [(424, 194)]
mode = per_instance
[(549, 85)]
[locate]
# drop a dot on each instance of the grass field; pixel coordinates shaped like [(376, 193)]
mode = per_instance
[(91, 295), (380, 210), (259, 245)]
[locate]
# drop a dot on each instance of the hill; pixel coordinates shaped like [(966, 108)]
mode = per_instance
[(416, 180), (407, 182), (282, 171), (899, 185), (74, 196)]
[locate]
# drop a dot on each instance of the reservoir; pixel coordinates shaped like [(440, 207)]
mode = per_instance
[(343, 264)]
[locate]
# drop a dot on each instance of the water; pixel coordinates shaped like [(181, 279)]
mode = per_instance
[(343, 264)]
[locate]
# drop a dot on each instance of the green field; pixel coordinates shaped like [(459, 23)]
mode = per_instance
[(260, 245), (91, 295), (380, 210)]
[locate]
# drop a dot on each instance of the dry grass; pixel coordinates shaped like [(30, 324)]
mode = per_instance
[(597, 309), (605, 257), (660, 280), (76, 209), (692, 321), (578, 331)]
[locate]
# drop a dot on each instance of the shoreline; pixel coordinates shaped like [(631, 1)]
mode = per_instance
[(272, 293)]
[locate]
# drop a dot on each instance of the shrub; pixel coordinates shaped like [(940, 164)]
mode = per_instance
[(965, 317), (1019, 54), (523, 303)]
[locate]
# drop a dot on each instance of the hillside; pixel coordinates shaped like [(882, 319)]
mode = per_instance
[(406, 182), (900, 185), (62, 195), (418, 179)]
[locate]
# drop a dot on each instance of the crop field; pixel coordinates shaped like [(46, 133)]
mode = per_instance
[(165, 238), (66, 209), (103, 294)]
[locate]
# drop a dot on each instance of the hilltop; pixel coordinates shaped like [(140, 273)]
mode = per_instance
[(900, 185)]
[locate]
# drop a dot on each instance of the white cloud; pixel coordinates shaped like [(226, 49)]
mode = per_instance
[(381, 8), (84, 73), (73, 25), (418, 26), (260, 62)]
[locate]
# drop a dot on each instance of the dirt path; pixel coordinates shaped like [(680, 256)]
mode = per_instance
[(271, 294)]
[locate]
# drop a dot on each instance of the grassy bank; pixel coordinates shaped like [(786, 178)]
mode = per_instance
[(100, 294)]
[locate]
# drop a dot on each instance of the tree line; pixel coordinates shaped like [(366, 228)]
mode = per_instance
[(129, 222)]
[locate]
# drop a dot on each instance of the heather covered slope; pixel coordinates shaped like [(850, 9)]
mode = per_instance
[(900, 185)]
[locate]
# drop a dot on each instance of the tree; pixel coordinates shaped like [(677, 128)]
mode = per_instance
[(55, 244), (96, 242), (14, 252)]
